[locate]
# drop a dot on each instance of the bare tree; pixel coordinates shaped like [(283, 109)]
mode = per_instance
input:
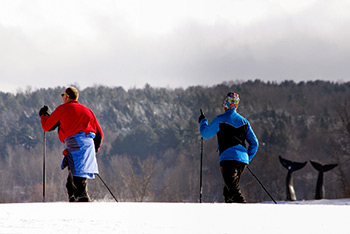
[(138, 183), (341, 141)]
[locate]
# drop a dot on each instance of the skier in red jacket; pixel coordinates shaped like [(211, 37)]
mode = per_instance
[(82, 135)]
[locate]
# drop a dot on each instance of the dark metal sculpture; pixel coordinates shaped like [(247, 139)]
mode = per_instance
[(291, 167), (320, 193)]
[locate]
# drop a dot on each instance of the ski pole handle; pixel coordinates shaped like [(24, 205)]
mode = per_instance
[(201, 116)]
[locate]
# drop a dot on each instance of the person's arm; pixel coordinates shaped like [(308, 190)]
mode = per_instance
[(209, 130), (49, 122), (99, 135), (253, 142), (98, 139)]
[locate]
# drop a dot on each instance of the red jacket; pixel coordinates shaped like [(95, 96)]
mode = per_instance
[(72, 118)]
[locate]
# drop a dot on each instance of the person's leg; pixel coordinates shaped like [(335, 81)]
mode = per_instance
[(239, 197), (71, 188), (81, 192), (231, 173)]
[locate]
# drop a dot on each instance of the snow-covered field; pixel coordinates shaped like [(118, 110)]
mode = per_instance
[(323, 216)]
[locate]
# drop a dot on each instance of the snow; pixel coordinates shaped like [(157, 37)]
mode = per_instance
[(321, 216)]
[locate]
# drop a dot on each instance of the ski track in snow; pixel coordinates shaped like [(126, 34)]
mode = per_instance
[(320, 216)]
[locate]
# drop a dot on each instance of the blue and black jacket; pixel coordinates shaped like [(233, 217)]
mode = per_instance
[(233, 130)]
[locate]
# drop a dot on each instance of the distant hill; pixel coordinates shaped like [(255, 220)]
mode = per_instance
[(151, 146)]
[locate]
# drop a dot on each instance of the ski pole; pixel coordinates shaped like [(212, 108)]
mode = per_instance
[(44, 166), (262, 185), (200, 178), (201, 172), (107, 187)]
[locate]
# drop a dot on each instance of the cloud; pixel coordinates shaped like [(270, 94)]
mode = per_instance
[(117, 44)]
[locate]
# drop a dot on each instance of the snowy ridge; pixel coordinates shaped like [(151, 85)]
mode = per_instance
[(323, 216), (318, 202)]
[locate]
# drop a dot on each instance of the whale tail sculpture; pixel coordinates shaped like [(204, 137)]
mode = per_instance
[(291, 167), (320, 192)]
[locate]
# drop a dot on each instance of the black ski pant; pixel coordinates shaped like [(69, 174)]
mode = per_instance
[(231, 171), (77, 188)]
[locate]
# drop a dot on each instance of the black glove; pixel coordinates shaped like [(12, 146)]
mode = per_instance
[(97, 141), (64, 163), (44, 111), (202, 116)]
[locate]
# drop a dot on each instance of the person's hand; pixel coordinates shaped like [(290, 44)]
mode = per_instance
[(202, 116), (44, 111), (64, 163)]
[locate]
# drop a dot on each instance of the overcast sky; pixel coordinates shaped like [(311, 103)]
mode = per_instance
[(49, 43)]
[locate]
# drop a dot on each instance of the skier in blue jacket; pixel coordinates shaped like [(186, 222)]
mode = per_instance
[(233, 130)]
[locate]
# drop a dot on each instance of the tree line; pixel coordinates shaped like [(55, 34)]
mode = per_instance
[(151, 150)]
